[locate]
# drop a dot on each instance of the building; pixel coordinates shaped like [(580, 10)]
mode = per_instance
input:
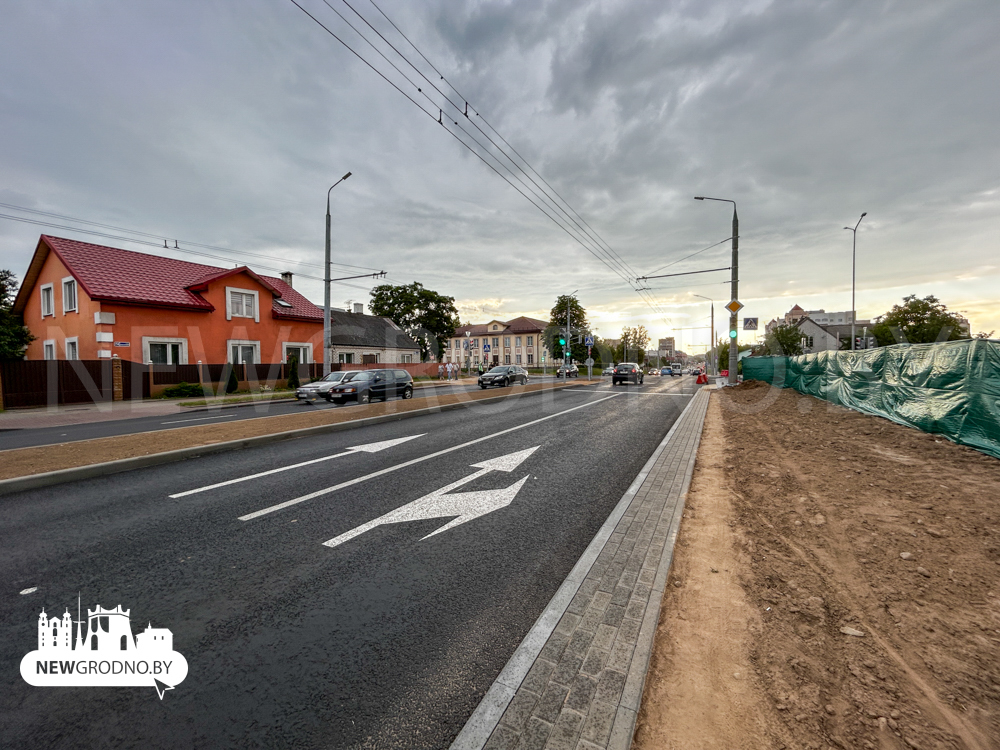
[(85, 301), (820, 317), (666, 348), (514, 342)]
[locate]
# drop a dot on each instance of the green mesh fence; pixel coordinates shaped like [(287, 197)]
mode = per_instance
[(951, 388)]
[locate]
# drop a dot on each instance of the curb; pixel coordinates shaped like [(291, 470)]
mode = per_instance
[(487, 715), (61, 476)]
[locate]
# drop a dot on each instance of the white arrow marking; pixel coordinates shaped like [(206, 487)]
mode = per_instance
[(369, 448), (466, 506)]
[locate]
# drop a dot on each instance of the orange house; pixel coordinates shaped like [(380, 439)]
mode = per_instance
[(85, 301)]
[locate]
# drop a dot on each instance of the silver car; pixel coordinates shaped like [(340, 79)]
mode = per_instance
[(321, 388)]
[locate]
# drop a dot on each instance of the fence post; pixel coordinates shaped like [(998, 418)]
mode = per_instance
[(117, 390), (149, 374), (1, 389)]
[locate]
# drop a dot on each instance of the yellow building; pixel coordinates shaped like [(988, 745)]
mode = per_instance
[(513, 342)]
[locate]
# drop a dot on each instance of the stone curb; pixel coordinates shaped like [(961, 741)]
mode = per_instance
[(61, 476), (554, 691)]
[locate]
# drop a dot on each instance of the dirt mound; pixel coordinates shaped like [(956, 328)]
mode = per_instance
[(869, 554), (750, 385)]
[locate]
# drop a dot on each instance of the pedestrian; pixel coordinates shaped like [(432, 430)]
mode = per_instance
[(440, 371), (448, 368)]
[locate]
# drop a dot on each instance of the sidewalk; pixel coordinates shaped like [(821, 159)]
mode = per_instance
[(577, 678)]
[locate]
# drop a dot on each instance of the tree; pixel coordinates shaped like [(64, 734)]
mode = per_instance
[(14, 336), (722, 352), (427, 317), (293, 372), (580, 328), (632, 344), (918, 321), (783, 339)]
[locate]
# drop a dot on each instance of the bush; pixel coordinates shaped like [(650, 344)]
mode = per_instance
[(184, 390), (232, 384), (293, 372)]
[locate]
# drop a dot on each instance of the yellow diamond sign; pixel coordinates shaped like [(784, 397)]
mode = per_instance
[(735, 306)]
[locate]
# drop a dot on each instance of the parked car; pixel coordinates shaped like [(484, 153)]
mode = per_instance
[(319, 388), (609, 370), (568, 371), (627, 371), (371, 385), (504, 375)]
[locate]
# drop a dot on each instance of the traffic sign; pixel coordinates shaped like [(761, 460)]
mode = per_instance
[(486, 347), (589, 362), (734, 306), (589, 341), (749, 324)]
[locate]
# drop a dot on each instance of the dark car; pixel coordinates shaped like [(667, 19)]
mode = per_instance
[(372, 385), (627, 371), (568, 371), (504, 375)]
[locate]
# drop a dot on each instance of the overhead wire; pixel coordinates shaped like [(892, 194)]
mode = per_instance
[(612, 260)]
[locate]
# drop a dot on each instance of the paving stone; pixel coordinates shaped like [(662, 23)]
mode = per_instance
[(621, 595), (613, 615), (554, 647), (550, 704), (566, 731), (642, 590), (584, 745), (538, 676), (567, 669), (535, 736), (609, 687), (621, 656), (581, 693), (519, 711), (567, 623), (503, 738), (604, 637), (647, 576), (594, 661), (597, 725), (579, 644), (635, 609), (628, 630)]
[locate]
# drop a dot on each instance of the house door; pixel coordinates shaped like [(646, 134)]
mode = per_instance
[(243, 354)]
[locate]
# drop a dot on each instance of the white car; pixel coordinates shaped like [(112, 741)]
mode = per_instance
[(320, 388)]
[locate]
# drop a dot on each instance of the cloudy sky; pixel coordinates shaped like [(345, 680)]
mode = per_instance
[(224, 124)]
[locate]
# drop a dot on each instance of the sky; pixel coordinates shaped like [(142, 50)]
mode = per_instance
[(225, 123)]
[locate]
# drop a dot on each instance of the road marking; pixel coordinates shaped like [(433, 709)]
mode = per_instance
[(369, 448), (411, 462), (467, 506), (201, 419), (32, 590)]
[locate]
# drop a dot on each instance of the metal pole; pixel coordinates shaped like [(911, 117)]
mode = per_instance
[(733, 345), (854, 257), (326, 283)]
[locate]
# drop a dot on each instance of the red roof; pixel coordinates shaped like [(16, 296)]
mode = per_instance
[(115, 275), (796, 308), (517, 325)]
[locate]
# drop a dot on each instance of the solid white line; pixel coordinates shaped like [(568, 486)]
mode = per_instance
[(411, 462), (201, 419)]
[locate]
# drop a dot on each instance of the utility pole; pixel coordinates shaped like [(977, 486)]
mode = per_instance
[(735, 296), (854, 259), (326, 283)]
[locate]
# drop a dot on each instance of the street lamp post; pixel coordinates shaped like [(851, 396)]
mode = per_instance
[(854, 255), (733, 353), (326, 283), (711, 350)]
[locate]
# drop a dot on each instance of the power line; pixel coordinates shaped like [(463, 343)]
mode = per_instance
[(674, 263)]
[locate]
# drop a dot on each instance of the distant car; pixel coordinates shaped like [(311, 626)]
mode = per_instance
[(664, 371), (319, 388), (653, 371), (627, 371), (676, 369), (372, 385), (504, 375), (568, 371), (609, 370)]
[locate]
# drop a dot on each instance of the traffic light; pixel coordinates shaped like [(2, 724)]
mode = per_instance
[(562, 341), (732, 334)]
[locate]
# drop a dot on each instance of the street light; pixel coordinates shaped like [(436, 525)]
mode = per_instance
[(711, 348), (733, 354), (854, 254), (326, 283)]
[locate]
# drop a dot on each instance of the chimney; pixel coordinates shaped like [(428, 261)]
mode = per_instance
[(359, 308), (286, 276)]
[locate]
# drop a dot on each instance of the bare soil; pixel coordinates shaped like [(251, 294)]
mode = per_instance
[(836, 583), (26, 461)]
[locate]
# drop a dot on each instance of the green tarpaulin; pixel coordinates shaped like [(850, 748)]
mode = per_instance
[(951, 388)]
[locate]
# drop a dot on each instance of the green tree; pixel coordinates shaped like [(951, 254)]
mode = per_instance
[(14, 336), (632, 344), (580, 328), (917, 321), (722, 350), (783, 339), (293, 372), (427, 317), (232, 384)]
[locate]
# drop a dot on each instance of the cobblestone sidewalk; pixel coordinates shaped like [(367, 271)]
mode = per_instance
[(577, 679)]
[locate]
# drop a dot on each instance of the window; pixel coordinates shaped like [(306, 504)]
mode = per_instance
[(49, 349), (517, 341), (518, 359), (72, 348), (531, 359), (496, 341), (406, 358), (48, 304), (346, 358), (244, 352), (506, 359), (69, 295), (506, 341), (531, 340), (300, 350), (242, 304), (808, 340), (494, 328), (161, 351)]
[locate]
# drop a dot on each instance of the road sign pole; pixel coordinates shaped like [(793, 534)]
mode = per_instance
[(733, 345)]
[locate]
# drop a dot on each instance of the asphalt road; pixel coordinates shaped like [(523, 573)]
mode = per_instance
[(30, 437), (387, 639)]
